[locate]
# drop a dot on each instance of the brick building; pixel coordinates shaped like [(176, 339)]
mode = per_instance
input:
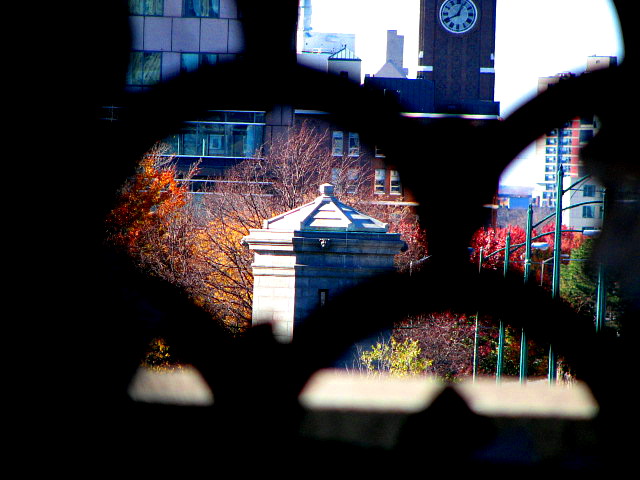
[(561, 148)]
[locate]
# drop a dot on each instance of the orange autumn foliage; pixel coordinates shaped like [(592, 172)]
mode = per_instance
[(146, 202), (171, 237), (225, 273)]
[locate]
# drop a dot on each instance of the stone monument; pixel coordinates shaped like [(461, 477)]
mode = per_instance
[(306, 255)]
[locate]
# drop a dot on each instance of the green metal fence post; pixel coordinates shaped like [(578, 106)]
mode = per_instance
[(501, 331)]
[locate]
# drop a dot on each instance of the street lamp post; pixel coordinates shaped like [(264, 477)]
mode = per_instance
[(501, 331), (475, 348), (524, 347), (528, 242), (557, 250), (601, 300), (557, 236), (601, 292), (477, 326)]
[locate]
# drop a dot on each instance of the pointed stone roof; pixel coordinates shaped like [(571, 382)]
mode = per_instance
[(391, 70), (325, 213), (344, 54)]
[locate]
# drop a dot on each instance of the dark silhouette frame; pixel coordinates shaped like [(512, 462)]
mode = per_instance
[(95, 313)]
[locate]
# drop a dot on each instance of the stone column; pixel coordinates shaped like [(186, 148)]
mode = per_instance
[(309, 254)]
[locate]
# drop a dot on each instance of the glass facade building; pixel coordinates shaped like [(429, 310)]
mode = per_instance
[(173, 37), (218, 141)]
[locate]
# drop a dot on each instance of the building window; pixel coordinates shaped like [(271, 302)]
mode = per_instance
[(192, 144), (586, 135), (201, 8), (347, 182), (221, 135), (551, 141), (110, 113), (352, 181), (215, 144), (589, 191), (588, 211), (550, 150), (146, 7), (323, 297), (549, 168), (380, 181), (144, 68), (190, 62), (550, 159), (354, 144), (395, 187), (337, 144), (550, 178)]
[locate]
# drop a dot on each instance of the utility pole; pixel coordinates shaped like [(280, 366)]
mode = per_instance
[(557, 251)]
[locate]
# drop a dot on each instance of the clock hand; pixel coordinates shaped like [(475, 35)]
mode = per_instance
[(459, 11), (464, 2)]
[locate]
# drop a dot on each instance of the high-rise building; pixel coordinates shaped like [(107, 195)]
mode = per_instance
[(561, 148), (393, 66)]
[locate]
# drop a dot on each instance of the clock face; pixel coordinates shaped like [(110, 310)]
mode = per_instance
[(458, 16)]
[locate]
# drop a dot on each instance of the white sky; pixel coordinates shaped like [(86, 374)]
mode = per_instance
[(534, 38)]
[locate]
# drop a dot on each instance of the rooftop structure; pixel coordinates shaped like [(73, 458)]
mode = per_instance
[(309, 254)]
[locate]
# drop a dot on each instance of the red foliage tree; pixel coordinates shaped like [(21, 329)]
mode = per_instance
[(570, 240), (492, 239), (414, 236)]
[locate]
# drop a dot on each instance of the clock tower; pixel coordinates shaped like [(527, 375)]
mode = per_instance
[(457, 44)]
